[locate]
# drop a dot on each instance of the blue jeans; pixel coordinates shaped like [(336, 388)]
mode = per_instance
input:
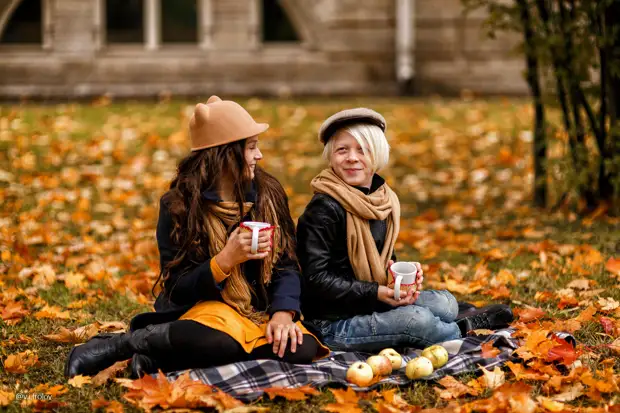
[(430, 320)]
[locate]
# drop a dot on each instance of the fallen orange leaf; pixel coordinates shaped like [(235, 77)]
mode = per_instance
[(529, 314), (52, 312), (346, 402), (20, 363), (104, 375), (13, 313), (613, 266), (563, 352), (299, 393), (79, 381), (6, 397), (108, 406), (454, 388), (492, 379), (489, 350)]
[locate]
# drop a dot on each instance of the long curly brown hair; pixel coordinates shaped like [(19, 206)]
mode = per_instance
[(201, 171)]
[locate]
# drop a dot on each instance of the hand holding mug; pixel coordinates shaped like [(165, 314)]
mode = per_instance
[(420, 275), (386, 295), (405, 276), (238, 249)]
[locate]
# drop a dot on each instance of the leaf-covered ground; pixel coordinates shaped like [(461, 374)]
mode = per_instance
[(79, 190)]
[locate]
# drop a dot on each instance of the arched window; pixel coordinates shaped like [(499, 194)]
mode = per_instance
[(179, 21), (124, 21), (25, 25), (276, 25)]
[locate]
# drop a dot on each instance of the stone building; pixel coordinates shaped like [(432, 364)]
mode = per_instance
[(73, 48)]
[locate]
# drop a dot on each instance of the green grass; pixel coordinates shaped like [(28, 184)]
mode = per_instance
[(446, 157)]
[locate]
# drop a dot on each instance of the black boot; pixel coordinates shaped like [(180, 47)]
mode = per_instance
[(464, 309), (103, 350), (491, 317), (142, 364)]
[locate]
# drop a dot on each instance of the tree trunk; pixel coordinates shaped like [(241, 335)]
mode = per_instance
[(533, 80), (611, 24), (559, 73)]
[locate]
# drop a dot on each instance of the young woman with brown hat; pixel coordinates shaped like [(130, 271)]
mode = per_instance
[(346, 239), (225, 296)]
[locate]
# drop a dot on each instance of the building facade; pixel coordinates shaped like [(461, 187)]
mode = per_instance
[(76, 48)]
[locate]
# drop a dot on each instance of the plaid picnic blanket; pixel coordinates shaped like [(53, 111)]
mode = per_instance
[(247, 380)]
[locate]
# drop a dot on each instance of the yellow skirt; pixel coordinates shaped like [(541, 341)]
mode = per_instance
[(224, 318)]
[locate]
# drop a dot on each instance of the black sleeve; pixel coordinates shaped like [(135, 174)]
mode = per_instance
[(316, 236), (285, 288), (189, 282)]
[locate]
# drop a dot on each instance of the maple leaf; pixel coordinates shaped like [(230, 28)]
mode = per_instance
[(615, 346), (6, 397), (523, 373), (106, 374), (608, 324), (567, 301), (492, 379), (543, 296), (298, 393), (111, 327), (569, 393), (52, 312), (79, 335), (346, 402), (607, 384), (529, 314), (580, 284), (13, 313), (453, 388), (481, 332), (20, 363), (79, 381), (537, 344), (564, 351), (551, 405), (149, 392), (613, 266), (586, 315), (608, 304), (108, 406), (394, 403), (489, 350), (499, 292), (503, 278)]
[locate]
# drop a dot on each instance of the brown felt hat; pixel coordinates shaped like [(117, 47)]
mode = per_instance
[(349, 117), (219, 122)]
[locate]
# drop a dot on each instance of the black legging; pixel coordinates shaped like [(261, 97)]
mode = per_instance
[(198, 346)]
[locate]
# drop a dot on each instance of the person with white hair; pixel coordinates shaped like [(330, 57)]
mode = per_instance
[(345, 246)]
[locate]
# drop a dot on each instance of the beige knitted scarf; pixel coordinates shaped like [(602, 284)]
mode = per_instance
[(382, 204), (237, 292)]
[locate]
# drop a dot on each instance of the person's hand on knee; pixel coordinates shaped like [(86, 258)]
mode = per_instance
[(279, 329)]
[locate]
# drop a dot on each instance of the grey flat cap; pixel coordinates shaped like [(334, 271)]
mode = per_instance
[(348, 117)]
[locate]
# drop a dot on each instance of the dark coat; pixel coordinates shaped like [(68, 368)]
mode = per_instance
[(192, 282), (330, 290)]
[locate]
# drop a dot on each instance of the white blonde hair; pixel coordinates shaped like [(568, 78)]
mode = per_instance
[(372, 140)]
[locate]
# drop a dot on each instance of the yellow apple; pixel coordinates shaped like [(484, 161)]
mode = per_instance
[(381, 365), (395, 358), (360, 373), (437, 355), (418, 367)]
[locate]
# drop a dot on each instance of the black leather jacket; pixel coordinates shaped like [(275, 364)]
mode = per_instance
[(330, 290)]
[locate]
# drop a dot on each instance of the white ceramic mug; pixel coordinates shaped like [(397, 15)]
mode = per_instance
[(404, 274), (256, 228)]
